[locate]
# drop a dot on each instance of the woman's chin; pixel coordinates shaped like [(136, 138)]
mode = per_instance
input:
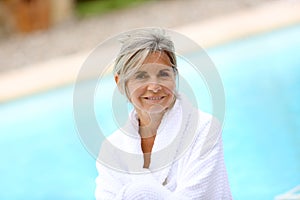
[(156, 109)]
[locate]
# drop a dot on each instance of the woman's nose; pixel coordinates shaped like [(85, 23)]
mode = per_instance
[(154, 87)]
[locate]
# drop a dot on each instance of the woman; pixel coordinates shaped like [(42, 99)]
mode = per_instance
[(168, 149)]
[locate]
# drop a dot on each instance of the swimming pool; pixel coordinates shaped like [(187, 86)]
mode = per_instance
[(42, 157), (262, 126)]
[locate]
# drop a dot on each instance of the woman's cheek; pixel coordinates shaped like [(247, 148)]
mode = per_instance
[(170, 89)]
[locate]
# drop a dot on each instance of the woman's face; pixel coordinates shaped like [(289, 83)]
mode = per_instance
[(151, 89)]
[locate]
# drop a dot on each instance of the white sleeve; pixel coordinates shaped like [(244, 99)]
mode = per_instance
[(112, 185), (203, 174), (107, 185)]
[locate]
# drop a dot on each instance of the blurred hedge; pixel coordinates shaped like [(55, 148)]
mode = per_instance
[(85, 8)]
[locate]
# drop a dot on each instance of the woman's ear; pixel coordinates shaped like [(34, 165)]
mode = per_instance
[(117, 79)]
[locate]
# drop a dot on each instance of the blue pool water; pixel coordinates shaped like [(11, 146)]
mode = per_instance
[(42, 157)]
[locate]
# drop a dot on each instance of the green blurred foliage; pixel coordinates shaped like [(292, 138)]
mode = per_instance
[(86, 8)]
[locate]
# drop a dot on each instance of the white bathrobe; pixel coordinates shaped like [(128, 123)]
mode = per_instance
[(186, 160)]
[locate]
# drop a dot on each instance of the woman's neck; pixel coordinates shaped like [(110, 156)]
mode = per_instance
[(149, 123)]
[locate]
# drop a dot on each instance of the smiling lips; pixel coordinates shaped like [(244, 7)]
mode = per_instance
[(154, 98)]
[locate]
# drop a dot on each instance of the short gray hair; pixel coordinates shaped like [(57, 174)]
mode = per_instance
[(136, 46)]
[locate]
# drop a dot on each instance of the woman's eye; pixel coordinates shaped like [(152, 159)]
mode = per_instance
[(164, 74), (141, 76)]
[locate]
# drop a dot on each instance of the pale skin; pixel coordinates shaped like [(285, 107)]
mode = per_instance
[(151, 91)]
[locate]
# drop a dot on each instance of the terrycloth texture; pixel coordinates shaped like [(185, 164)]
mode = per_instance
[(186, 161)]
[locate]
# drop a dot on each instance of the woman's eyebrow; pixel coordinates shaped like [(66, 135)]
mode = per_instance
[(145, 72), (166, 69), (140, 72)]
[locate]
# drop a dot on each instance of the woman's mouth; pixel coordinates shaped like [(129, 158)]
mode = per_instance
[(152, 99)]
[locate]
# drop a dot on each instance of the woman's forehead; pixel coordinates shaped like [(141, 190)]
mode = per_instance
[(149, 67), (157, 57)]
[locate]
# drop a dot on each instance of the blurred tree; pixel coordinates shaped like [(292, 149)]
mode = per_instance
[(85, 8), (28, 15)]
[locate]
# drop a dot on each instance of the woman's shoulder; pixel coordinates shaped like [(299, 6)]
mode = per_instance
[(192, 112), (116, 138), (208, 119)]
